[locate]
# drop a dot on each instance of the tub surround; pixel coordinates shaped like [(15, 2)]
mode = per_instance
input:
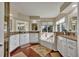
[(53, 44)]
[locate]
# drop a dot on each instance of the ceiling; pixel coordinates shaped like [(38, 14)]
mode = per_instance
[(70, 9), (42, 9), (74, 13)]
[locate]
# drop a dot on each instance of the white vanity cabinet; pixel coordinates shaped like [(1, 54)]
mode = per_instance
[(71, 48), (17, 40), (59, 44), (67, 47), (14, 42), (34, 37), (24, 38), (64, 47)]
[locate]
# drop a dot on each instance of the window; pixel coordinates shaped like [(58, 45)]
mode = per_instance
[(44, 28), (58, 28), (50, 28), (46, 31), (47, 27), (60, 25), (63, 27)]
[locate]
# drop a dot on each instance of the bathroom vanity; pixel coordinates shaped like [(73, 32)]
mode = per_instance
[(67, 45), (20, 39)]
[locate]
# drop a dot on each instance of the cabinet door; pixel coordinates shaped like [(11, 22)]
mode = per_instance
[(72, 49), (17, 40), (59, 44), (22, 39), (34, 37), (26, 38), (12, 42), (64, 47)]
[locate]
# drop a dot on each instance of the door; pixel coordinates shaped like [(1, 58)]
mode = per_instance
[(1, 29)]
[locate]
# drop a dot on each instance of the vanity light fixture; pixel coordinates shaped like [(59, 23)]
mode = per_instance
[(11, 14), (34, 21), (74, 5)]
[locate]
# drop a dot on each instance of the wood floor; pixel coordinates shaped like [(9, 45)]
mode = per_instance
[(28, 51)]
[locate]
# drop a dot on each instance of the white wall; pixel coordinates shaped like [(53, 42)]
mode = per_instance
[(2, 29), (15, 16)]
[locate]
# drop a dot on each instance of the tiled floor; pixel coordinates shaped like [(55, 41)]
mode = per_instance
[(30, 52)]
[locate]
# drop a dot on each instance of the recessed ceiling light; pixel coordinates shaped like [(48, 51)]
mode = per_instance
[(74, 5), (11, 15)]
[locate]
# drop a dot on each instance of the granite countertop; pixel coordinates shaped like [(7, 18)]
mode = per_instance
[(71, 37), (14, 33)]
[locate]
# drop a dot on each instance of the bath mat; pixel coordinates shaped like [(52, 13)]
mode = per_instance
[(42, 51), (20, 54), (55, 54)]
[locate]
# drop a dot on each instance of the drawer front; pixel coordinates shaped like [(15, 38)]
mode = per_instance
[(13, 37), (72, 48), (64, 41), (64, 50), (59, 37), (72, 52), (72, 43)]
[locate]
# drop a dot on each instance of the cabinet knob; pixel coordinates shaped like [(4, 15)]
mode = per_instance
[(1, 45)]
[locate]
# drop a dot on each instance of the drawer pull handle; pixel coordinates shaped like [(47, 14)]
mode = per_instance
[(70, 47), (1, 45)]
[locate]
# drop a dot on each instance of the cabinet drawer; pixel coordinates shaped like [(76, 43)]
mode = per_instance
[(64, 40), (72, 51), (13, 37), (71, 43), (72, 48), (59, 37)]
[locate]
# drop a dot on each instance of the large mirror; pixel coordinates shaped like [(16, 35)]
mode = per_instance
[(73, 24), (60, 25), (73, 20)]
